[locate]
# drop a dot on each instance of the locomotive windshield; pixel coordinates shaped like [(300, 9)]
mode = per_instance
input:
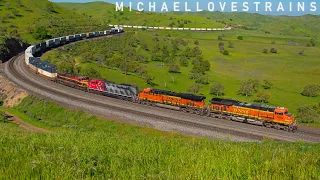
[(288, 114)]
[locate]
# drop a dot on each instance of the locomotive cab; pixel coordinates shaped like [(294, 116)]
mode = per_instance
[(283, 115)]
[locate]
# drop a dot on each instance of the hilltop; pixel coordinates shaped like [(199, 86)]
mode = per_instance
[(22, 17), (105, 13), (307, 25)]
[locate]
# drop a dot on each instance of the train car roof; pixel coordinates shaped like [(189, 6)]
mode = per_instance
[(73, 75), (181, 95), (230, 102)]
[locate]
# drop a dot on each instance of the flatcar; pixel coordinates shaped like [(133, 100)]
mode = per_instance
[(269, 116), (172, 100)]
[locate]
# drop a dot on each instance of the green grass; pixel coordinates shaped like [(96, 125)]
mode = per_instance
[(117, 151)]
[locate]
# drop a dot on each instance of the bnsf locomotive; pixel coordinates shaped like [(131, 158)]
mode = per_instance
[(268, 116)]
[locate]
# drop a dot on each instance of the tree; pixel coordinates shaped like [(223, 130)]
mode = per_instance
[(273, 50), (148, 78), (308, 114), (265, 51), (145, 47), (247, 88), (165, 50), (217, 89), (196, 51), (240, 38), (50, 7), (263, 97), (312, 42), (196, 42), (203, 79), (311, 90), (193, 89), (40, 33), (184, 61), (90, 72), (200, 67), (174, 68), (267, 84), (231, 44)]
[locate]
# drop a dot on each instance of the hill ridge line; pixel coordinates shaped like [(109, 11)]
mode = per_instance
[(172, 28)]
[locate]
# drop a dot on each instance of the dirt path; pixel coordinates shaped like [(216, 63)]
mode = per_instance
[(25, 125)]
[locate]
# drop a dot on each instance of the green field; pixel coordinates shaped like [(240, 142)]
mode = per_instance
[(84, 146)]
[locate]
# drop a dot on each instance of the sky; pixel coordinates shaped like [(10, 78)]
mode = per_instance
[(311, 6)]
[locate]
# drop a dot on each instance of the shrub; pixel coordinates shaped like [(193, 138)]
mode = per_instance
[(311, 90), (273, 42), (267, 84), (196, 42), (273, 50), (301, 52), (219, 38), (240, 38), (265, 51), (225, 52)]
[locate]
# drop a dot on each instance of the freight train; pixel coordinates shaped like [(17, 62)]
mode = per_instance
[(276, 117)]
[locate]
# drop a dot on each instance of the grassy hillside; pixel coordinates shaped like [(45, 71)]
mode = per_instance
[(84, 146), (20, 18)]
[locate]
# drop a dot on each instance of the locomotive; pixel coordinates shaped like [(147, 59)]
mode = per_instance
[(269, 116)]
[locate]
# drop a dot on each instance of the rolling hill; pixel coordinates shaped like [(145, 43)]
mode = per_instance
[(20, 18), (307, 25)]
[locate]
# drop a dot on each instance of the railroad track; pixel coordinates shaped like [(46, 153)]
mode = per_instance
[(17, 71)]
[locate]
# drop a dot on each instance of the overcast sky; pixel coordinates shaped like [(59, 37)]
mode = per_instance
[(204, 5)]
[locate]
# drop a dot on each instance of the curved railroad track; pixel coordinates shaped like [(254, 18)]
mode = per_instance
[(18, 72)]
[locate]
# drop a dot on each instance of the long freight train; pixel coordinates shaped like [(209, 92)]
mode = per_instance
[(268, 116)]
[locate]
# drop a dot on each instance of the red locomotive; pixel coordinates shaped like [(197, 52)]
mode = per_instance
[(120, 91)]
